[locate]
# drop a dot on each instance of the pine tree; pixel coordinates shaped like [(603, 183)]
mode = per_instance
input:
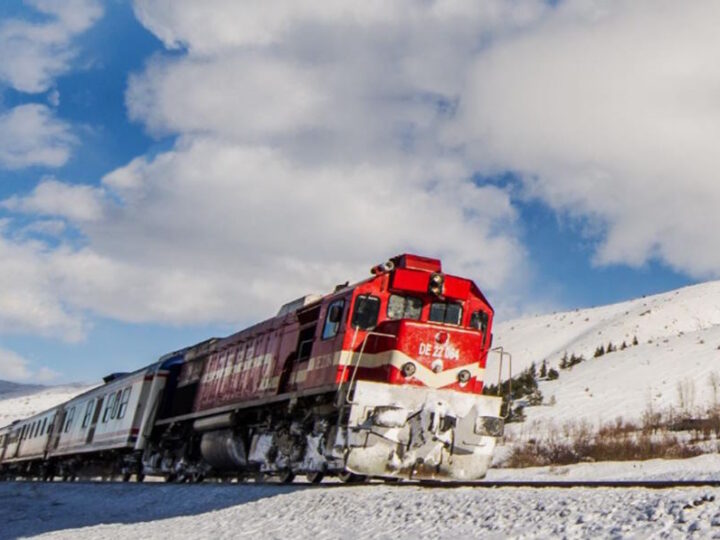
[(543, 369), (623, 346), (553, 374), (564, 361), (599, 351), (635, 340), (610, 347)]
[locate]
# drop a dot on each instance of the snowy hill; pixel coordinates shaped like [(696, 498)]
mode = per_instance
[(22, 400), (675, 364)]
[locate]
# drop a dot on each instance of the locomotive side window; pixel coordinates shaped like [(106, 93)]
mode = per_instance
[(365, 314), (479, 321), (446, 312), (333, 319), (404, 307), (124, 403)]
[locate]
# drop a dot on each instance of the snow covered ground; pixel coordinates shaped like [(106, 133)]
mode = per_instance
[(135, 511)]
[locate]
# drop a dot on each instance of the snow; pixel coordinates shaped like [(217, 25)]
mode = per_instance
[(131, 511), (20, 401)]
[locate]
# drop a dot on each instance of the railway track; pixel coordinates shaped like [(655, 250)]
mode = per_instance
[(596, 484)]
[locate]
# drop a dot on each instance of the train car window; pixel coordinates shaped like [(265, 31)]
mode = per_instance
[(42, 429), (116, 404), (124, 403), (446, 312), (365, 314), (88, 413), (404, 307), (108, 407), (333, 318), (69, 420)]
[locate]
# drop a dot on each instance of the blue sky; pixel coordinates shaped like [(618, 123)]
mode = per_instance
[(173, 170)]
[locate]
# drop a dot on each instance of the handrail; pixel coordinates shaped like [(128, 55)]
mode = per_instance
[(503, 353), (357, 365)]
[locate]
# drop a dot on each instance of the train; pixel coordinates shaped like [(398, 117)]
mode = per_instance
[(379, 379)]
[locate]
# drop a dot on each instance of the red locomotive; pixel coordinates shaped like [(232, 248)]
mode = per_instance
[(382, 378)]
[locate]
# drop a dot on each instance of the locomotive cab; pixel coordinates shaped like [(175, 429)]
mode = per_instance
[(419, 341)]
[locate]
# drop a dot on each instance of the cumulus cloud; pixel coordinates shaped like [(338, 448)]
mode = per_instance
[(29, 292), (34, 53), (610, 111), (314, 139), (308, 149), (15, 368), (31, 135), (54, 198)]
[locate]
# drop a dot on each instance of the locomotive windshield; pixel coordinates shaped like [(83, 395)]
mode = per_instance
[(404, 307), (446, 312), (365, 314)]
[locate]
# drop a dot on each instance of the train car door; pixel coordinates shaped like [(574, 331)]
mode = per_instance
[(95, 417), (308, 321)]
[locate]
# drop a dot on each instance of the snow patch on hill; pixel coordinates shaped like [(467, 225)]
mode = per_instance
[(674, 364), (19, 401)]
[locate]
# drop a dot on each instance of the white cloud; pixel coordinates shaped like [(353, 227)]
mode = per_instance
[(31, 135), (308, 149), (29, 293), (15, 368), (34, 53), (53, 198), (611, 111)]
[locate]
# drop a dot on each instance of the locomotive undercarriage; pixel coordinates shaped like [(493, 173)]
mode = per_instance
[(377, 430)]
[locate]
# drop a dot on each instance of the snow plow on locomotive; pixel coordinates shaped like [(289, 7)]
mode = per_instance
[(382, 378)]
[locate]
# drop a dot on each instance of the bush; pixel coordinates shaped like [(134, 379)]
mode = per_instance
[(613, 442)]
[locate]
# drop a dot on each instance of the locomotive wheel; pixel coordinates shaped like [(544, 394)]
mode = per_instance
[(347, 477), (260, 477), (315, 477), (286, 476), (197, 477)]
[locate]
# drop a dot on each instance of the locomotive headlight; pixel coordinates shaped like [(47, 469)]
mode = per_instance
[(491, 426), (435, 285), (408, 369), (464, 376)]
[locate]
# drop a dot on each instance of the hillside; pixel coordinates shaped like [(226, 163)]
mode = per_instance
[(675, 364), (22, 400)]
